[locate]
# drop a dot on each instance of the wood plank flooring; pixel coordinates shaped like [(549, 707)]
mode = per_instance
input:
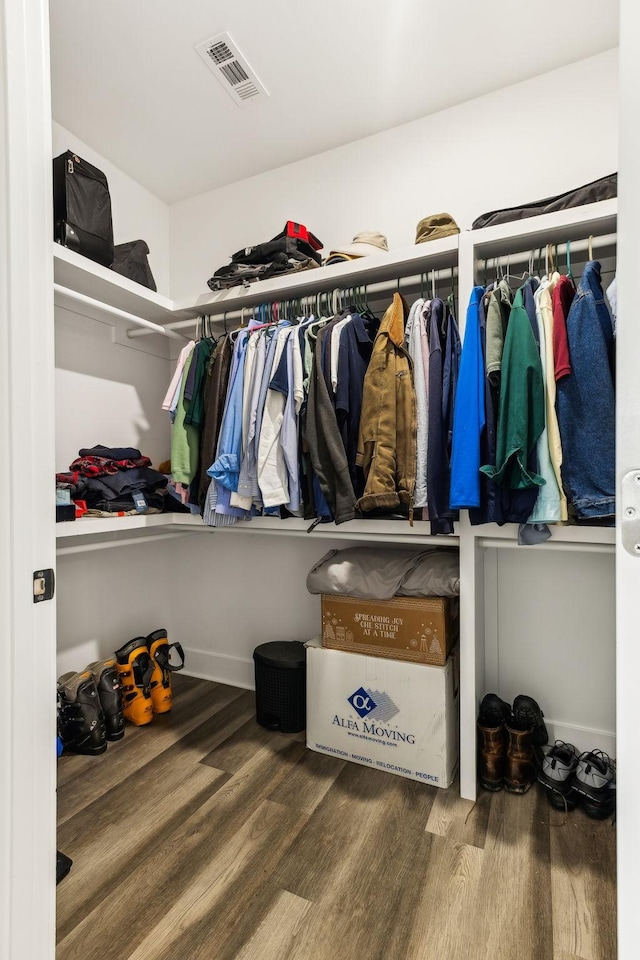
[(205, 837)]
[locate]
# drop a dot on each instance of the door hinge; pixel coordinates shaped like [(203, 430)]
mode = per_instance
[(630, 517), (44, 584)]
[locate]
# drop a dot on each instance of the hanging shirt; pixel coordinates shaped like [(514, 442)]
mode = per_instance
[(545, 303), (177, 375), (194, 390), (335, 348), (469, 413), (413, 342), (547, 508), (248, 478), (272, 470), (185, 438), (498, 307), (226, 467), (563, 294)]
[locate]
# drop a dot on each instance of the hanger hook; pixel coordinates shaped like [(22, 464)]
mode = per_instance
[(591, 247)]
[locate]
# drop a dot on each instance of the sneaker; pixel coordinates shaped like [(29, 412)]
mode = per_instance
[(527, 713), (595, 782), (493, 711), (559, 765)]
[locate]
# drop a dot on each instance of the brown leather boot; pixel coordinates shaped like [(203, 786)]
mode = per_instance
[(520, 771), (491, 756)]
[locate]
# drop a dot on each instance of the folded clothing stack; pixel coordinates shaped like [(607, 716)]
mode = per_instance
[(373, 573), (114, 480)]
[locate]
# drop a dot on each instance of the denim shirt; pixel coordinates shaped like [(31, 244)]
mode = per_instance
[(586, 402), (226, 468)]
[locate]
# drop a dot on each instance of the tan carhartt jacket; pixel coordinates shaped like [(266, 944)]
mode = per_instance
[(387, 435)]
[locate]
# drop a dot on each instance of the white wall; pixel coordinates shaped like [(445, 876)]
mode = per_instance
[(109, 390), (107, 597), (530, 140), (137, 213)]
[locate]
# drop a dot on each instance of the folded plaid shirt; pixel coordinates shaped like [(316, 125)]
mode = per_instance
[(103, 467)]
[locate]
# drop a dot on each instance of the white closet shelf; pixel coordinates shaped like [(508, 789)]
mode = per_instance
[(93, 280), (90, 526), (574, 537), (576, 223), (121, 529)]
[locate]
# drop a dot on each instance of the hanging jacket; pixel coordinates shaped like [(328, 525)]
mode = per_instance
[(387, 435), (586, 402), (521, 410), (215, 392), (323, 436), (469, 413), (444, 358), (493, 499)]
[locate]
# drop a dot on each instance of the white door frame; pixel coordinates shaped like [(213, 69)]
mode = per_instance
[(628, 458), (27, 519)]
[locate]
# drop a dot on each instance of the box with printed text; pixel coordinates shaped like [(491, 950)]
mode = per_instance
[(395, 716), (421, 630)]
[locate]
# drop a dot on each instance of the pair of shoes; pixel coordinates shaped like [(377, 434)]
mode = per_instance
[(90, 708), (144, 669), (587, 779), (509, 740)]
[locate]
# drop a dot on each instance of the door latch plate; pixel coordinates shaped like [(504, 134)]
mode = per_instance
[(43, 585)]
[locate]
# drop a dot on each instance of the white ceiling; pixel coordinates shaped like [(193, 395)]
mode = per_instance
[(127, 80)]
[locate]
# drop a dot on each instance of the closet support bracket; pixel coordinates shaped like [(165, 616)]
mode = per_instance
[(630, 518)]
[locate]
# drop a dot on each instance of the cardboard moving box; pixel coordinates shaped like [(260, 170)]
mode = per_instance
[(398, 717), (421, 630)]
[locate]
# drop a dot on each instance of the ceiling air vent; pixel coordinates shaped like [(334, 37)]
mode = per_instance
[(227, 63)]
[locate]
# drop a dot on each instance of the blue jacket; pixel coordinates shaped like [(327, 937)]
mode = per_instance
[(469, 413)]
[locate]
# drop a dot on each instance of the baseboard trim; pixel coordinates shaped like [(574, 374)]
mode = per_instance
[(583, 738), (205, 665)]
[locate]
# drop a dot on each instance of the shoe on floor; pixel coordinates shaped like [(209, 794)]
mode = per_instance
[(559, 765), (595, 782), (520, 766), (493, 711), (527, 713)]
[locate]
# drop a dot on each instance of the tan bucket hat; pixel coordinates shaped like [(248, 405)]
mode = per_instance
[(363, 245), (435, 227)]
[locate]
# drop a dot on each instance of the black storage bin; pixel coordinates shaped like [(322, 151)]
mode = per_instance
[(281, 685)]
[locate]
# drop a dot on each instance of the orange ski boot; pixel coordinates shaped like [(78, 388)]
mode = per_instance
[(160, 653), (135, 670)]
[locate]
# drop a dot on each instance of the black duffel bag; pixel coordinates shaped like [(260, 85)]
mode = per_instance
[(130, 260), (82, 208), (603, 189)]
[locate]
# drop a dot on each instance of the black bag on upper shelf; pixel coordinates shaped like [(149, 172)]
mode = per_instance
[(603, 189), (82, 208), (130, 260)]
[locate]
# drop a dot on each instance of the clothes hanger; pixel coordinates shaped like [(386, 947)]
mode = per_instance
[(590, 243), (451, 299), (568, 253)]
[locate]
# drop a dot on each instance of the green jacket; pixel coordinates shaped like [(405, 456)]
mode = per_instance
[(521, 407)]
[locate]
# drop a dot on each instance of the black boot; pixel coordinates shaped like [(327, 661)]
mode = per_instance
[(82, 724), (109, 690)]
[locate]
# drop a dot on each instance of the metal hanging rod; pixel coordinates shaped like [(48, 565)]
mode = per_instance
[(384, 286), (588, 245), (148, 325)]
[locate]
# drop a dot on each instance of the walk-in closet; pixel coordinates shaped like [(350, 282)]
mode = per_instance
[(204, 833)]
